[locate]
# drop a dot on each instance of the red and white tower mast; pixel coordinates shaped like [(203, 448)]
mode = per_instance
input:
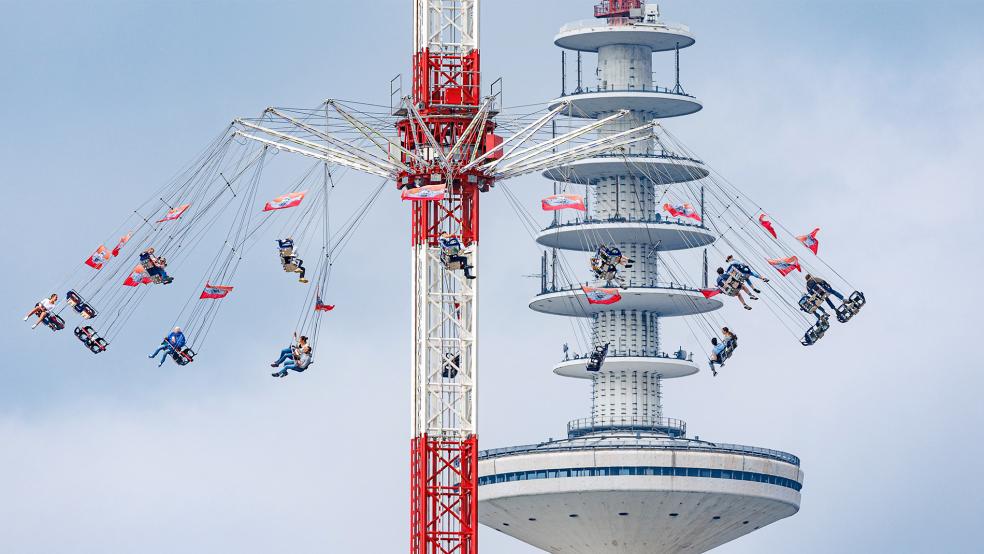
[(445, 126), (445, 138)]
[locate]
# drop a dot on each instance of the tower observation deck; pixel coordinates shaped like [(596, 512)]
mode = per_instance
[(627, 479)]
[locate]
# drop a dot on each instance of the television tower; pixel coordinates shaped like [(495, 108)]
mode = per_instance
[(627, 479)]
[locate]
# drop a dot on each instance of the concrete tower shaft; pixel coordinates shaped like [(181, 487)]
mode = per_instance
[(625, 67), (626, 480)]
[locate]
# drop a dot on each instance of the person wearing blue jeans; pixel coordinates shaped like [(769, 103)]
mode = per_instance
[(297, 363), (717, 355), (155, 266), (173, 342), (288, 353), (746, 269), (815, 283)]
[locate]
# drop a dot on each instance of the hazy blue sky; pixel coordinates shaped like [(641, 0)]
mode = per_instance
[(862, 117)]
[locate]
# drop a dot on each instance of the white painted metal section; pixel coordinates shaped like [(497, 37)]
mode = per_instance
[(445, 350), (448, 26)]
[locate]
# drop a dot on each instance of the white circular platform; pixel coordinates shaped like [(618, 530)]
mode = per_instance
[(585, 236), (656, 105), (590, 35), (606, 497), (667, 368), (662, 170), (666, 302)]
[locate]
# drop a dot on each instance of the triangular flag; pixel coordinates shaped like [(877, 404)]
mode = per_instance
[(214, 291), (563, 202), (98, 258), (601, 296), (288, 200), (810, 241), (682, 210), (119, 246), (767, 223), (785, 266), (174, 213), (429, 192)]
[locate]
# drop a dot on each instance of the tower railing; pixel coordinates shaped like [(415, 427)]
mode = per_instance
[(614, 352), (662, 425), (622, 21), (643, 88), (656, 219), (642, 443), (550, 288)]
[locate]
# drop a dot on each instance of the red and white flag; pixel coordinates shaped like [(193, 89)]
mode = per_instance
[(429, 192), (564, 202), (119, 246), (810, 241), (137, 277), (98, 258), (682, 210), (288, 200), (765, 222), (320, 306), (214, 291), (174, 213), (709, 293), (601, 296), (785, 266)]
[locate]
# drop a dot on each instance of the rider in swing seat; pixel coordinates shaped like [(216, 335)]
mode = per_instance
[(155, 267), (453, 254)]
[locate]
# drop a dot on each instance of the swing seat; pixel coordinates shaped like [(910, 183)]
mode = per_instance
[(81, 307), (53, 322), (91, 340), (850, 307), (815, 333), (456, 265), (292, 264), (811, 302), (729, 349), (598, 358), (732, 285)]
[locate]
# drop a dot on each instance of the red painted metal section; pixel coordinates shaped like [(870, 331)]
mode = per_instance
[(444, 496), (616, 8)]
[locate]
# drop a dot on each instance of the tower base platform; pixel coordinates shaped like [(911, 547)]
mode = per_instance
[(630, 495)]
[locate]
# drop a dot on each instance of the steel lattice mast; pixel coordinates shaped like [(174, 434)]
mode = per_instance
[(441, 131)]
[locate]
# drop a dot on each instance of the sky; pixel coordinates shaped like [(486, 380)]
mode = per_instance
[(860, 117)]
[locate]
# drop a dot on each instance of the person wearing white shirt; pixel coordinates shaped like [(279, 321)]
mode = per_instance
[(42, 309)]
